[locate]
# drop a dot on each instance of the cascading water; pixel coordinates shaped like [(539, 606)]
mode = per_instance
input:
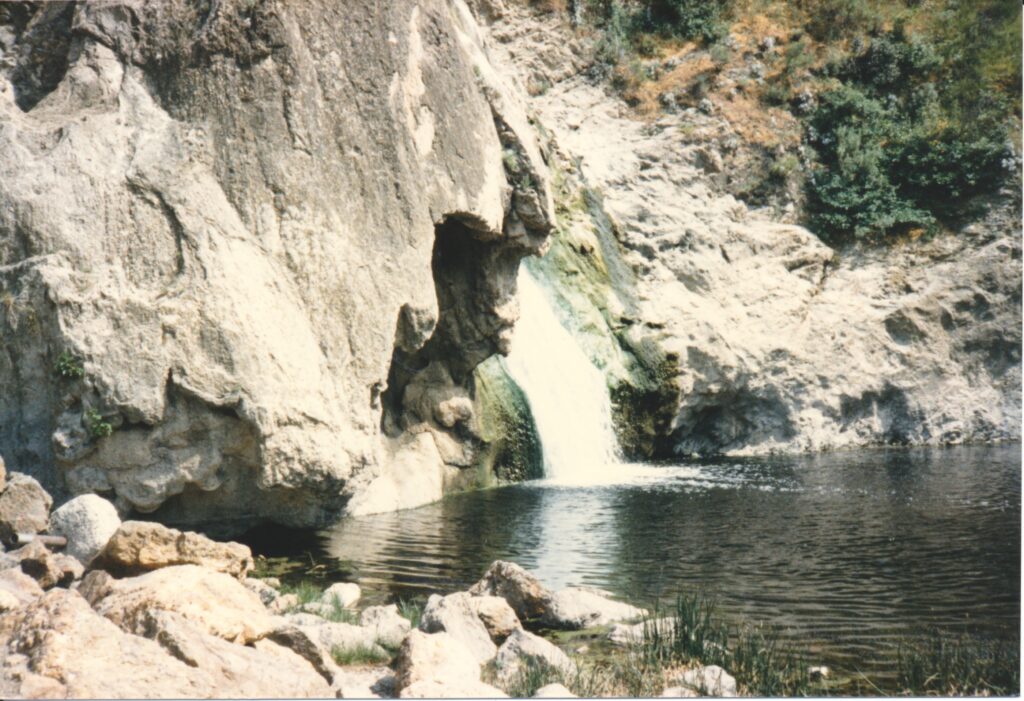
[(567, 394)]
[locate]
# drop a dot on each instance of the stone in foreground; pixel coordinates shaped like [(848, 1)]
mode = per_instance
[(523, 591), (437, 658), (524, 648), (497, 616), (388, 626), (24, 504), (58, 647), (708, 681), (143, 546), (576, 608), (456, 615), (213, 602), (88, 522)]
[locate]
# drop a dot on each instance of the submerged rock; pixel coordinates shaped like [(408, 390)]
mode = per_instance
[(142, 546), (88, 522)]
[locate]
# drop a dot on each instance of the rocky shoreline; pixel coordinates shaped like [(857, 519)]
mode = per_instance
[(138, 610)]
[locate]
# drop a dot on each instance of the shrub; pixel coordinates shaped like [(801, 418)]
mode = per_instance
[(97, 426), (889, 156), (69, 366)]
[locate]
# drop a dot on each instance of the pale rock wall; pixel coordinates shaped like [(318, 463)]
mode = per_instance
[(222, 212), (762, 337)]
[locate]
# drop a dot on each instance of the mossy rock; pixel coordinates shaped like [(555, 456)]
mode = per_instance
[(511, 448)]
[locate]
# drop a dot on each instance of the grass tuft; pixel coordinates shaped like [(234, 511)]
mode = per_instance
[(359, 655), (962, 666)]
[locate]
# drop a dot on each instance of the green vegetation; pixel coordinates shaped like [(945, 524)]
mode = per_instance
[(360, 655), (308, 593), (69, 366), (412, 610), (97, 426), (959, 667), (910, 109)]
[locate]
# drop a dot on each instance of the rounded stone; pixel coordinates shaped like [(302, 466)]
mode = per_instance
[(88, 522)]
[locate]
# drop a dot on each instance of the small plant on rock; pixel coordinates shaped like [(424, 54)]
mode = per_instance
[(97, 426), (69, 366)]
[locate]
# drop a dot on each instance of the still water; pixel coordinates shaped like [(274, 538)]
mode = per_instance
[(843, 554)]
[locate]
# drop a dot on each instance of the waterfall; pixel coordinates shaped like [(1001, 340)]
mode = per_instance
[(567, 394)]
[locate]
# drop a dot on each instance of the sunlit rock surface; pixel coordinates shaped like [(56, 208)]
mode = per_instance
[(220, 227)]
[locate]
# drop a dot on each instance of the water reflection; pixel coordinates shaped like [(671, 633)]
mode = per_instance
[(844, 552)]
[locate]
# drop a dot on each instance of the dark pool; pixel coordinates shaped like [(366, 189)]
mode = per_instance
[(844, 554)]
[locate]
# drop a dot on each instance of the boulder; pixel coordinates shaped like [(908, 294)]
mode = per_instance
[(268, 595), (336, 636), (18, 587), (497, 616), (388, 626), (265, 669), (553, 691), (59, 647), (524, 592), (711, 680), (142, 546), (365, 683), (344, 594), (524, 648), (456, 615), (575, 608), (213, 602), (24, 504), (453, 689), (88, 522), (630, 633), (437, 657), (36, 561)]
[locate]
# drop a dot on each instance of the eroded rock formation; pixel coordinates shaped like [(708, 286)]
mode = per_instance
[(252, 251)]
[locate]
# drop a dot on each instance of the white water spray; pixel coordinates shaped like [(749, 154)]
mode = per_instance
[(567, 394)]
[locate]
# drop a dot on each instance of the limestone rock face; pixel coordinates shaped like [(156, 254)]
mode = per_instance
[(141, 546), (214, 602), (24, 504), (280, 226), (87, 521), (759, 336)]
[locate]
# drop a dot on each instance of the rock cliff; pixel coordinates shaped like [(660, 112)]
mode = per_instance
[(724, 330), (235, 235)]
